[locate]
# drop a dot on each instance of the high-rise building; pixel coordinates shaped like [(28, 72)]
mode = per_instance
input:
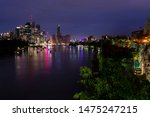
[(33, 24), (38, 27), (52, 39), (17, 31), (59, 34), (58, 38), (27, 28), (66, 39)]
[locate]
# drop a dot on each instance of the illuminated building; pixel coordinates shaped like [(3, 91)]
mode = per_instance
[(60, 39), (91, 38), (59, 35), (66, 39), (33, 24), (38, 27), (53, 39), (17, 32), (30, 32)]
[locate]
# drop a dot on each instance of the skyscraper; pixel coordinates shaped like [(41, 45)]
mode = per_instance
[(59, 38), (59, 34)]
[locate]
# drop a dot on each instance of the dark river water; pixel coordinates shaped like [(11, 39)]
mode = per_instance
[(50, 73)]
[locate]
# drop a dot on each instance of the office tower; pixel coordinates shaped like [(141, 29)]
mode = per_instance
[(38, 27), (17, 31), (59, 34)]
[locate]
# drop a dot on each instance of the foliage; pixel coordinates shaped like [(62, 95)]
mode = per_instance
[(111, 81), (9, 46)]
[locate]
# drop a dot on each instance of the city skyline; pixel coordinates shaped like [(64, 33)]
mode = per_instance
[(78, 18)]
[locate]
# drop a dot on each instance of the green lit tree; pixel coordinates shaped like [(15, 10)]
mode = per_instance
[(111, 81)]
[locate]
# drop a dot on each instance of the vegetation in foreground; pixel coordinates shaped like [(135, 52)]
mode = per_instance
[(111, 79)]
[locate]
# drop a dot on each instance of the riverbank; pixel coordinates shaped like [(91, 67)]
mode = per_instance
[(10, 46)]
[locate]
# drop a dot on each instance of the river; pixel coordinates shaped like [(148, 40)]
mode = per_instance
[(43, 74)]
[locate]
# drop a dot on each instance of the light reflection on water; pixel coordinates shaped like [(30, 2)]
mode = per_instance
[(50, 73), (33, 62)]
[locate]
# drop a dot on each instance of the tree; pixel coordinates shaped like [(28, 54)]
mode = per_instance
[(112, 81)]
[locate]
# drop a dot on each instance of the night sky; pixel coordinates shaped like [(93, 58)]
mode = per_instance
[(76, 17)]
